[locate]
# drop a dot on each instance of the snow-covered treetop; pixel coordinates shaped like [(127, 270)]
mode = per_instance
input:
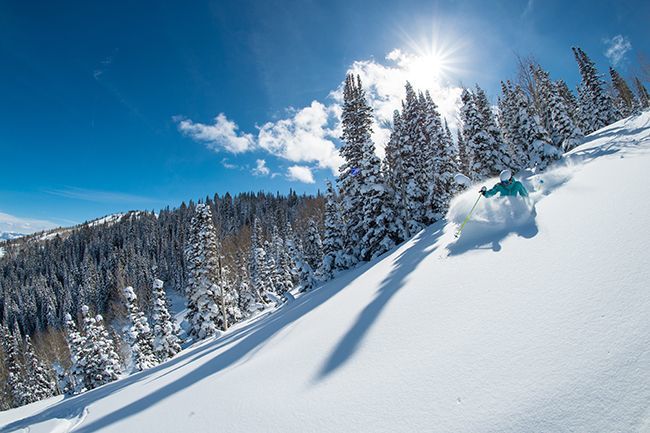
[(157, 284), (130, 294)]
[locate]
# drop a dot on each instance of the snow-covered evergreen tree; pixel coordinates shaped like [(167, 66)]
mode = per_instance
[(369, 222), (166, 342), (507, 122), (475, 139), (306, 276), (313, 245), (75, 378), (569, 99), (532, 135), (261, 275), (563, 132), (40, 378), (283, 279), (642, 94), (492, 154), (14, 363), (139, 333), (332, 236), (98, 358), (595, 107), (226, 298), (378, 223), (625, 101), (356, 120), (446, 157), (249, 299), (203, 262), (414, 143), (395, 176)]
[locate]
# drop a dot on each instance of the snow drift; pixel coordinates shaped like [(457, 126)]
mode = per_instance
[(535, 320)]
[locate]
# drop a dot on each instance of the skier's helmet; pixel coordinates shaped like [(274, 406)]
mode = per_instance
[(505, 175)]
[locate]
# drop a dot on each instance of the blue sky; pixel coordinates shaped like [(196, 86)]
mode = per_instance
[(111, 106)]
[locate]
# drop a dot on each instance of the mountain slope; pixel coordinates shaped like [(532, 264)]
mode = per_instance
[(536, 319)]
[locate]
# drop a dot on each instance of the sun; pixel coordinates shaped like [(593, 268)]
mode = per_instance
[(435, 59)]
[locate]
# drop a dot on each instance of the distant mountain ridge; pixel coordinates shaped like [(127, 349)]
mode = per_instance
[(7, 236)]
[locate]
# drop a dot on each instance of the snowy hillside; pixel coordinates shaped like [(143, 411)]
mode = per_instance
[(530, 322)]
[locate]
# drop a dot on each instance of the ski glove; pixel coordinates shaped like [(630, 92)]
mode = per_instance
[(483, 191)]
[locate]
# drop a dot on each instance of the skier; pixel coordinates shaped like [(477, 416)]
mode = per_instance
[(507, 187)]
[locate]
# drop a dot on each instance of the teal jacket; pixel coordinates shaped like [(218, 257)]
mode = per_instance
[(510, 188)]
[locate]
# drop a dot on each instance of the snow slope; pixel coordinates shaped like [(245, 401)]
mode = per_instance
[(536, 320)]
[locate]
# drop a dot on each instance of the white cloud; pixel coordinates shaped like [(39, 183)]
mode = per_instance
[(617, 48), (304, 137), (261, 169), (300, 173), (384, 85), (220, 135), (11, 223), (310, 134)]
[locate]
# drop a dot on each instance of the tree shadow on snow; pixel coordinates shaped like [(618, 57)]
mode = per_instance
[(239, 346), (404, 265)]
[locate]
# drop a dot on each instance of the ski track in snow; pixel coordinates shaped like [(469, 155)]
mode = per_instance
[(535, 320)]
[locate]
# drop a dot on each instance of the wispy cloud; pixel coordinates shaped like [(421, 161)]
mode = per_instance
[(221, 135), (99, 196), (529, 9), (300, 173), (12, 223), (261, 169), (227, 164), (616, 48)]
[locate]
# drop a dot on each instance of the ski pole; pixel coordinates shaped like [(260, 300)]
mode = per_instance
[(468, 216)]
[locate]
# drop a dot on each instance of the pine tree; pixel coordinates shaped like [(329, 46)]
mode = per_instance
[(395, 177), (14, 364), (476, 139), (493, 154), (332, 236), (356, 120), (166, 342), (596, 106), (313, 245), (625, 101), (203, 262), (98, 358), (569, 99), (378, 224), (507, 121), (75, 378), (249, 299), (226, 298), (260, 275), (531, 134), (369, 220), (446, 165), (306, 278), (40, 381), (642, 93), (563, 132), (139, 334), (283, 279), (414, 143)]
